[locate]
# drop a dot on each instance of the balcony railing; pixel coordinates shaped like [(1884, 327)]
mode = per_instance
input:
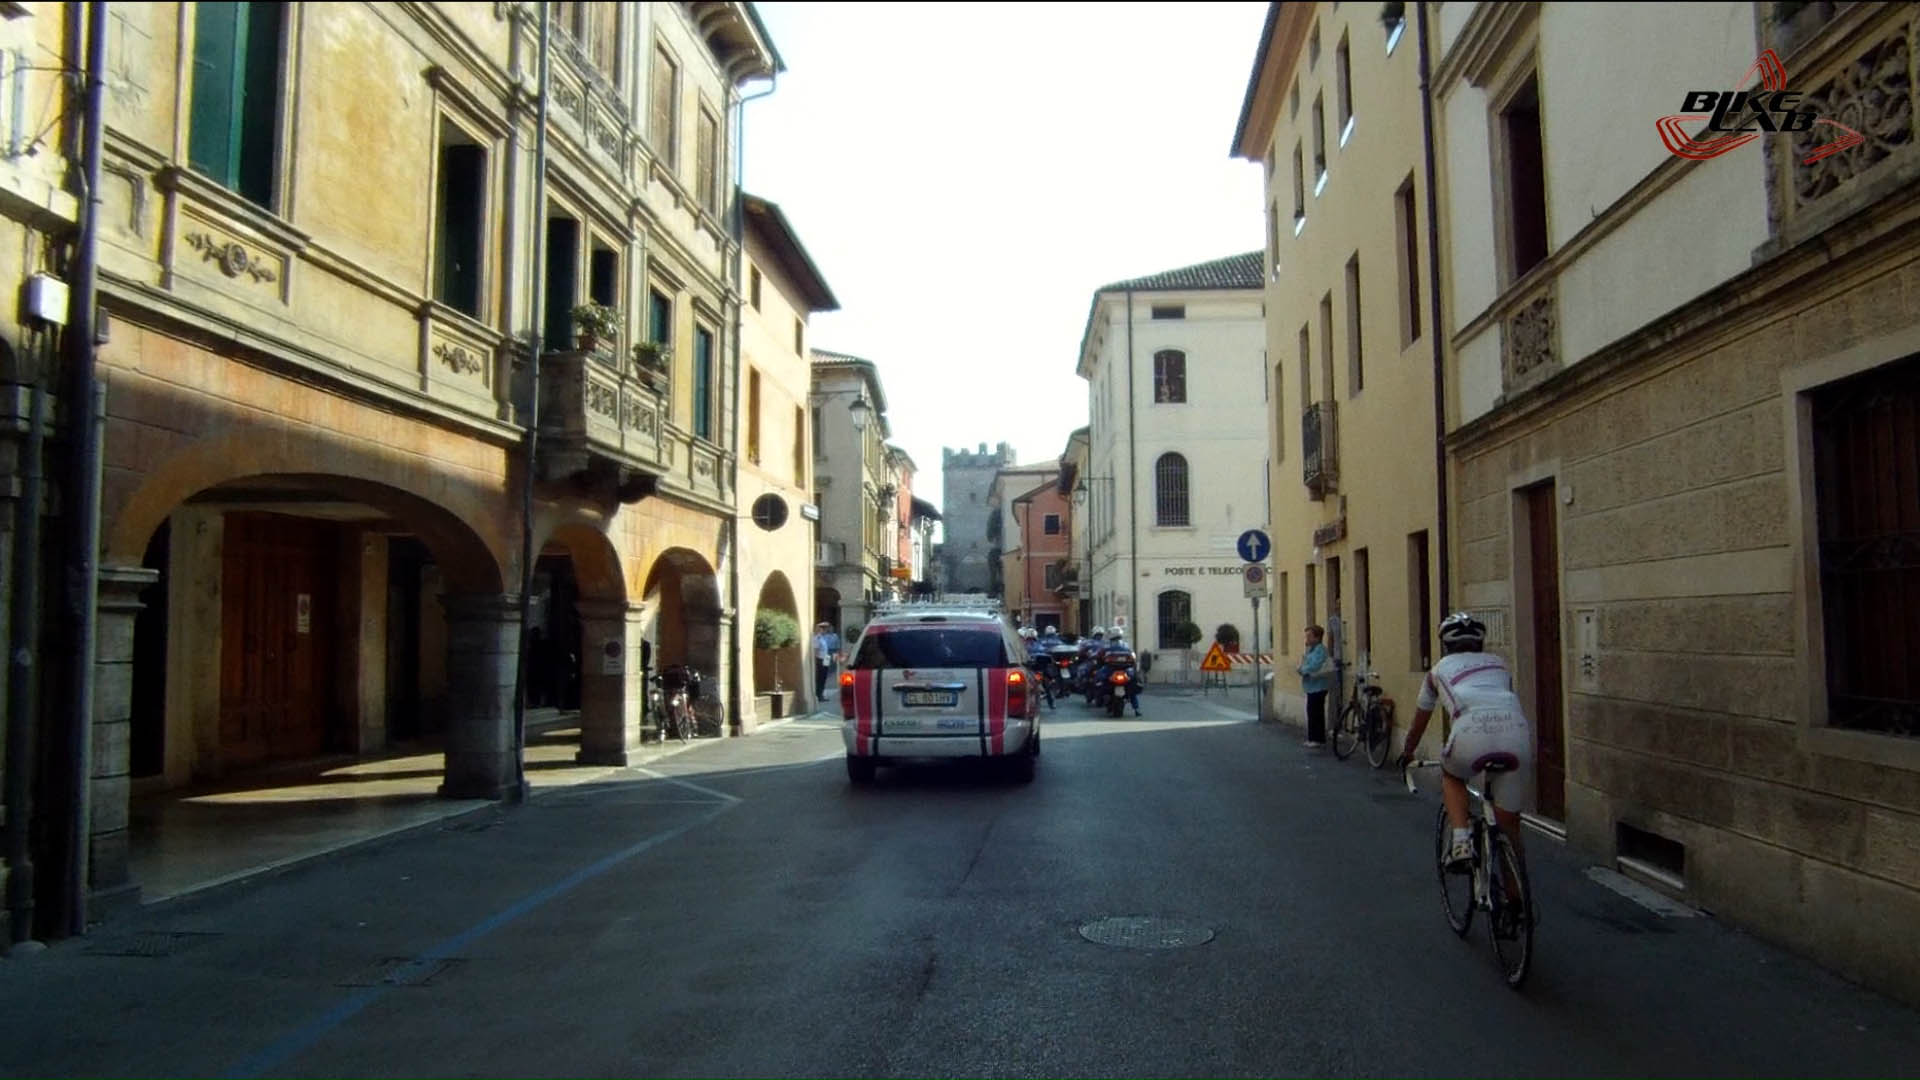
[(1856, 70), (1319, 449), (603, 425)]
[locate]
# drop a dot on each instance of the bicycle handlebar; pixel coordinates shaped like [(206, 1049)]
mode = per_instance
[(1406, 773)]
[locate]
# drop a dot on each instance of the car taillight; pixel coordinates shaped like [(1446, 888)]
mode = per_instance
[(1119, 678), (846, 695), (1016, 693)]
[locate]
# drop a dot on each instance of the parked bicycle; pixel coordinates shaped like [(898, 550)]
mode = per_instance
[(1366, 717), (1496, 884), (670, 701)]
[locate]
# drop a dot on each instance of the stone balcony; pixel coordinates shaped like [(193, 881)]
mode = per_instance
[(603, 426)]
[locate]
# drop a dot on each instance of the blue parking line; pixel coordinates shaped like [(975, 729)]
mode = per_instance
[(304, 1037)]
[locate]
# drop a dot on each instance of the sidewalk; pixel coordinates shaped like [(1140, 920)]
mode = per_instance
[(194, 839)]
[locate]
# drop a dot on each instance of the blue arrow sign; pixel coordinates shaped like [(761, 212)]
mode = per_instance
[(1254, 546)]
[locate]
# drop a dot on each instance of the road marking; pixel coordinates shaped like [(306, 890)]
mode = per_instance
[(1655, 902), (303, 1038), (1221, 710)]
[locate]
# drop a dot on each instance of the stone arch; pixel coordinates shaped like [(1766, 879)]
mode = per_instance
[(608, 662), (463, 527), (782, 670), (685, 623)]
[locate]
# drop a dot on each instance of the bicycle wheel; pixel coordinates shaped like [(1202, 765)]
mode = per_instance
[(1510, 924), (1346, 731), (683, 723), (1378, 736), (1456, 890)]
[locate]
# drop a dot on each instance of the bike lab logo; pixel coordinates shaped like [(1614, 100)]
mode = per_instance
[(1747, 114)]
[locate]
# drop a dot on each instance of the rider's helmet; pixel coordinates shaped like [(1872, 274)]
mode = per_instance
[(1098, 633), (1027, 633), (1461, 632), (1053, 631)]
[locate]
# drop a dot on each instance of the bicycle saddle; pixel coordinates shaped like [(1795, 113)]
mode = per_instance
[(1498, 761)]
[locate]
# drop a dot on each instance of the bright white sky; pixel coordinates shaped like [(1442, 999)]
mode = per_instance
[(965, 175)]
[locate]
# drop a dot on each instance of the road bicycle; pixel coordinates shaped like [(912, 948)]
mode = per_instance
[(1496, 885), (670, 702), (1366, 718)]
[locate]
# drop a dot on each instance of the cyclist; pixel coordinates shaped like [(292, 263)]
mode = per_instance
[(1476, 689)]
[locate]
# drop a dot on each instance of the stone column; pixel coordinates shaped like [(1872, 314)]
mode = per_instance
[(611, 690), (110, 881), (483, 646)]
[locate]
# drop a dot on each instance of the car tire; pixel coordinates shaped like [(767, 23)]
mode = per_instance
[(860, 770), (1022, 766)]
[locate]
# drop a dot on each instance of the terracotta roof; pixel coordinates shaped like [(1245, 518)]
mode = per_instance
[(1232, 272)]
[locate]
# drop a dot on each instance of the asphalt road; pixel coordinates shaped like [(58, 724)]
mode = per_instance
[(743, 911)]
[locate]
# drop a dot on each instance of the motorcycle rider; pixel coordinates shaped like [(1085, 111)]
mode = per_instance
[(1038, 661), (1117, 655)]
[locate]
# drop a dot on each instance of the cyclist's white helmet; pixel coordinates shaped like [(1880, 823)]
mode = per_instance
[(1461, 630), (1098, 632), (1052, 630)]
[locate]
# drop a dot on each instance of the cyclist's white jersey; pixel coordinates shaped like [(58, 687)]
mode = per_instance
[(1488, 722), (1466, 682)]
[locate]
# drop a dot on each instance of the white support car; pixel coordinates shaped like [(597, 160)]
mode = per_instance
[(932, 683)]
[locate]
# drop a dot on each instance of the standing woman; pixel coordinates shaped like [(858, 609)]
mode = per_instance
[(1316, 678)]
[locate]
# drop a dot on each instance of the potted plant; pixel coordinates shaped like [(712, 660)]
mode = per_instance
[(594, 322), (774, 630), (1184, 637), (1228, 635), (652, 360)]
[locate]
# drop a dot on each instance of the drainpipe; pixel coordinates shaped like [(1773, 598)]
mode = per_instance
[(518, 793), (22, 701), (739, 383), (80, 492), (1133, 483), (1435, 326)]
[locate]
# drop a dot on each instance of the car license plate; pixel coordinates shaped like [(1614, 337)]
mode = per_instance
[(923, 697)]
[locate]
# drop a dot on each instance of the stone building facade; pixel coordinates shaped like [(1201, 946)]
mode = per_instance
[(966, 479), (316, 261), (1683, 449)]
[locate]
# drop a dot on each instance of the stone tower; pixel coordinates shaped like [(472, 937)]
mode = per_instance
[(968, 478)]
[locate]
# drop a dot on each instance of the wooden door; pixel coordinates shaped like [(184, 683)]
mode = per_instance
[(277, 599), (1549, 723)]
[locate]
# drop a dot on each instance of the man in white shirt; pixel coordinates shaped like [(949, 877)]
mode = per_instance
[(825, 645)]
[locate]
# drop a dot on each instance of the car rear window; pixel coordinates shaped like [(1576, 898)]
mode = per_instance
[(931, 647)]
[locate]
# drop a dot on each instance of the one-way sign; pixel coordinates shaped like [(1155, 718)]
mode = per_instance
[(1254, 545)]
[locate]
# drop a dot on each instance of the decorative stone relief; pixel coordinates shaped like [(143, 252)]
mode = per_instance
[(568, 97), (602, 399), (639, 417), (232, 259), (458, 358), (1873, 94), (1529, 338)]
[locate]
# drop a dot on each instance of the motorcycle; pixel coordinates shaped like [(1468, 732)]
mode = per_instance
[(1117, 683), (1059, 669)]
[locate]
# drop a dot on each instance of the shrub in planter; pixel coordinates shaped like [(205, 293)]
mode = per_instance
[(1186, 635), (1228, 635), (594, 323), (775, 630)]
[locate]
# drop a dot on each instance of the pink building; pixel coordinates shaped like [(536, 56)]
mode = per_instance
[(1042, 515)]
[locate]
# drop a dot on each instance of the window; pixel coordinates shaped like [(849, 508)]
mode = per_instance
[(707, 161), (1394, 17), (753, 287), (1419, 587), (1319, 143), (703, 383), (819, 417), (799, 337), (1866, 439), (1278, 390), (459, 221), (236, 96), (1169, 377), (603, 276), (1326, 347), (596, 28), (1343, 88), (1363, 602), (1051, 525), (659, 318), (799, 447), (563, 281), (1170, 492), (1176, 609), (1273, 241), (926, 647), (1407, 221), (1356, 362), (1313, 602), (1313, 46), (1283, 637), (1306, 368), (1169, 311), (1525, 181), (753, 416), (662, 102), (1293, 100), (1299, 184)]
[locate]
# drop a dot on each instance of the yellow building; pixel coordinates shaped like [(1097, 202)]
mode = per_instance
[(316, 246), (779, 527), (1332, 113)]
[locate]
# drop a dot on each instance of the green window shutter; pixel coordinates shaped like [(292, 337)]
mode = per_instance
[(212, 146), (563, 257), (703, 384), (258, 96), (660, 320), (463, 171)]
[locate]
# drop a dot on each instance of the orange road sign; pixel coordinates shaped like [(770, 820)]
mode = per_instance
[(1216, 660)]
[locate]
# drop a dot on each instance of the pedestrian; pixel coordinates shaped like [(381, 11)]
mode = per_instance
[(825, 645), (1316, 678)]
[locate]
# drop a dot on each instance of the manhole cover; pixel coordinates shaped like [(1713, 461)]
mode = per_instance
[(403, 971), (156, 943), (1146, 932)]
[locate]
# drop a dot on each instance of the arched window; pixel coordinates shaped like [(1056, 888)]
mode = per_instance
[(1169, 377), (1170, 491), (1175, 608)]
